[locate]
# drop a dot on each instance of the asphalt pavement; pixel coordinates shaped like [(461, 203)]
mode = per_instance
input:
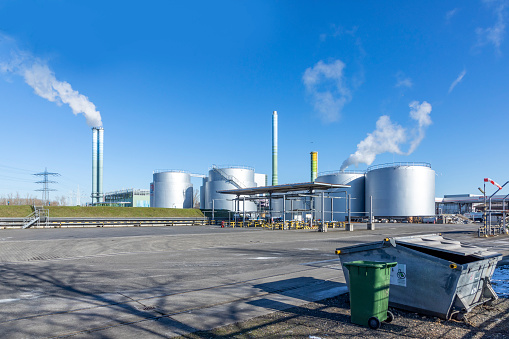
[(158, 282)]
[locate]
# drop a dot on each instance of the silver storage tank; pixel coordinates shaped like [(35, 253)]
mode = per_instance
[(203, 193), (401, 190), (228, 178), (356, 179), (260, 179), (172, 189)]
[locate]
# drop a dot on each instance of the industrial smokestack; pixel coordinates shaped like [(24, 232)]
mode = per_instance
[(314, 165), (100, 195), (274, 148), (94, 165), (97, 164)]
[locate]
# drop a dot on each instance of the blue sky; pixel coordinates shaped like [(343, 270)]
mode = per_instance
[(184, 85)]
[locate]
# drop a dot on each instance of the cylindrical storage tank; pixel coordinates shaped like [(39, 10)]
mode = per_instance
[(228, 178), (337, 209), (203, 193), (260, 179), (172, 189), (401, 190)]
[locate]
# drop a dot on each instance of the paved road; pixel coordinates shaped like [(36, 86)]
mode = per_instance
[(155, 282)]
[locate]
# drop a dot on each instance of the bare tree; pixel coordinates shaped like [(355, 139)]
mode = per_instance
[(63, 200)]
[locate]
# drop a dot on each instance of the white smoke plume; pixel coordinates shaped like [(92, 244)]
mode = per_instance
[(389, 136), (420, 113), (37, 75), (325, 83)]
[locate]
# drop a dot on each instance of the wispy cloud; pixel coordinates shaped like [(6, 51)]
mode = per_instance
[(389, 136), (495, 34), (326, 85), (457, 81), (450, 14), (403, 81), (38, 75)]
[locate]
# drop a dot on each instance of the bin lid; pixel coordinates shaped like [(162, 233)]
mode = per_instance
[(428, 241), (372, 264)]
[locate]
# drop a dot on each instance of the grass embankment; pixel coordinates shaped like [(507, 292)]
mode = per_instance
[(15, 211), (102, 212)]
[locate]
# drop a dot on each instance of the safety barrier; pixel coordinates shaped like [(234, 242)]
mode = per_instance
[(484, 231), (290, 224)]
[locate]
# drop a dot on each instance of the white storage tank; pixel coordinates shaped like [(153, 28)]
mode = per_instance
[(401, 190), (171, 189), (338, 210), (228, 178)]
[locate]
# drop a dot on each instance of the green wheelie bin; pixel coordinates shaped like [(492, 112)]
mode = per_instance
[(369, 292)]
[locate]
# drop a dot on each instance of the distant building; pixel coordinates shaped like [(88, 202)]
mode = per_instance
[(128, 198), (468, 203)]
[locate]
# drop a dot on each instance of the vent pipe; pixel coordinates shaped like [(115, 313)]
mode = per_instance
[(94, 165), (274, 148), (314, 165)]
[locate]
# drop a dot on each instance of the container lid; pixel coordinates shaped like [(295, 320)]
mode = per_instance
[(438, 242), (372, 264), (434, 242)]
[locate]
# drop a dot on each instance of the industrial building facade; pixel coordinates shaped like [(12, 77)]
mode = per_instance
[(128, 198)]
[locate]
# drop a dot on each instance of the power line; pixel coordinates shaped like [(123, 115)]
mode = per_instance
[(45, 184)]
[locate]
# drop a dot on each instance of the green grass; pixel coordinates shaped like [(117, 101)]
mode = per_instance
[(15, 211), (100, 211)]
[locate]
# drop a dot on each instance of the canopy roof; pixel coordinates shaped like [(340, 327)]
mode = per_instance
[(306, 186)]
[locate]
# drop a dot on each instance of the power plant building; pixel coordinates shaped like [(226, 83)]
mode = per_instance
[(128, 198)]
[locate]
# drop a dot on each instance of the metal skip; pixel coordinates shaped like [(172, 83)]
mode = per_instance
[(434, 275)]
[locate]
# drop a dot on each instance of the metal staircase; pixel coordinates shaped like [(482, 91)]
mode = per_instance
[(237, 183), (229, 178), (38, 216)]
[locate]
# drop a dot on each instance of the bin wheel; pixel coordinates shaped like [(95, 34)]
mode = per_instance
[(458, 316), (374, 323), (390, 317)]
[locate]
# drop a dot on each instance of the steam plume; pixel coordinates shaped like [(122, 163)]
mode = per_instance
[(388, 136), (420, 113), (38, 75)]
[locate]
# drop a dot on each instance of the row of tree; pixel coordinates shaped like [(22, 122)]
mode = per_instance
[(28, 199)]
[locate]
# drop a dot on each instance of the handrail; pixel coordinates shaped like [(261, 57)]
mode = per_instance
[(231, 166), (399, 164), (337, 172), (169, 170), (231, 178)]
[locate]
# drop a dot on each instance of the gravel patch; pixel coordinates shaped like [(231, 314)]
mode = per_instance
[(330, 318)]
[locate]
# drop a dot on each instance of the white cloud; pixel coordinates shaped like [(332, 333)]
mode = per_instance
[(450, 14), (402, 81), (457, 81), (325, 83), (495, 34)]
